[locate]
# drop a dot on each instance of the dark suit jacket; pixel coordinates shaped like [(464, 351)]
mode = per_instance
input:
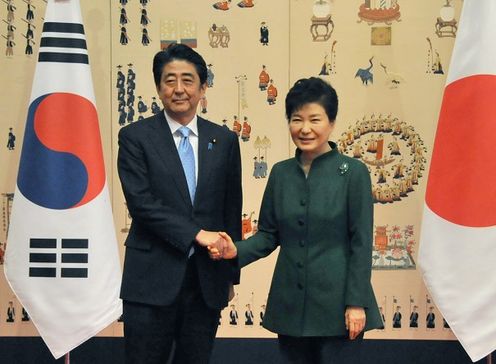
[(165, 222)]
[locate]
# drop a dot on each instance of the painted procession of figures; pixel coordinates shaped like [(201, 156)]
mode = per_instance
[(393, 152), (126, 87), (231, 316), (124, 20), (11, 314), (397, 322), (11, 27)]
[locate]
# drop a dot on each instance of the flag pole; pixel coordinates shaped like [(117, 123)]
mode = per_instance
[(489, 358), (67, 358)]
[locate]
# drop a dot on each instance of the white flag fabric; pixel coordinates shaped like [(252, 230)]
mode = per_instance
[(62, 259), (458, 239)]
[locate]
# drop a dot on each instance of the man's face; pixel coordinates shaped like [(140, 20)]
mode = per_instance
[(180, 90)]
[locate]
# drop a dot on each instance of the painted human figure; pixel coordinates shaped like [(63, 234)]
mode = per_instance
[(142, 108), (263, 168), (10, 31), (29, 47), (121, 79), (381, 311), (256, 167), (431, 319), (11, 140), (246, 4), (124, 39), (397, 318), (262, 314), (203, 104), (248, 315), (271, 93), (144, 21), (123, 17), (210, 76), (263, 79), (236, 126), (10, 11), (29, 31), (25, 315), (10, 312), (145, 39), (245, 130), (9, 47), (224, 123), (246, 227), (233, 316), (222, 5), (264, 34), (414, 317), (29, 13), (154, 106), (130, 114)]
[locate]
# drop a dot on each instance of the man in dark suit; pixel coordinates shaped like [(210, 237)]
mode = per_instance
[(182, 186)]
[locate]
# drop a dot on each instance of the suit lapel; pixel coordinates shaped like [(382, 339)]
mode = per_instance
[(206, 147), (161, 138)]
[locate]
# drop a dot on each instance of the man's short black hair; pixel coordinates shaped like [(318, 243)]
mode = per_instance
[(178, 52)]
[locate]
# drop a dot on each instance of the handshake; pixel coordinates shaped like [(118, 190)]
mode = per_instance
[(219, 244)]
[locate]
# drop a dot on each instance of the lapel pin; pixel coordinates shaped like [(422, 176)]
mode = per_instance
[(343, 168), (211, 144)]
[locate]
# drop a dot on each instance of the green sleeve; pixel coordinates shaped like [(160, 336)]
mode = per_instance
[(360, 227), (266, 240)]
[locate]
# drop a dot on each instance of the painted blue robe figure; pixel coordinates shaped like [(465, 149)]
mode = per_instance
[(124, 38), (397, 318), (130, 114), (210, 76), (256, 168), (29, 13), (431, 319), (233, 316), (248, 316), (10, 313), (154, 106), (144, 21), (11, 140), (263, 168), (145, 39), (264, 34), (141, 105)]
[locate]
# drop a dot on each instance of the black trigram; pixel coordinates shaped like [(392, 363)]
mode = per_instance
[(63, 43), (45, 259)]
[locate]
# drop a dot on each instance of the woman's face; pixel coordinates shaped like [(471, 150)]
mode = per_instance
[(310, 129)]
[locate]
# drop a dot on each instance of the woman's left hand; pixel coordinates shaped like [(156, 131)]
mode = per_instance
[(354, 318)]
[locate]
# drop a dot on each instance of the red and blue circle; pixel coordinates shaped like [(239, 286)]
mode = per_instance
[(61, 164)]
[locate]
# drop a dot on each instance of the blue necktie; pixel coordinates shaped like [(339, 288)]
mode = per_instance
[(187, 157)]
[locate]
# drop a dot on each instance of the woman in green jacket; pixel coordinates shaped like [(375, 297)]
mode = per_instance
[(318, 208)]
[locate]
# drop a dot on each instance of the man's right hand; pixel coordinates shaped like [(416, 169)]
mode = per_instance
[(207, 238), (228, 252)]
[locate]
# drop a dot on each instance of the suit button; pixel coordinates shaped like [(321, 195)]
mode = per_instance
[(300, 285), (302, 243), (300, 265), (303, 202), (301, 222)]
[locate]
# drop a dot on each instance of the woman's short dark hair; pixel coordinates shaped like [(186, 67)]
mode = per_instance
[(178, 52), (312, 90)]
